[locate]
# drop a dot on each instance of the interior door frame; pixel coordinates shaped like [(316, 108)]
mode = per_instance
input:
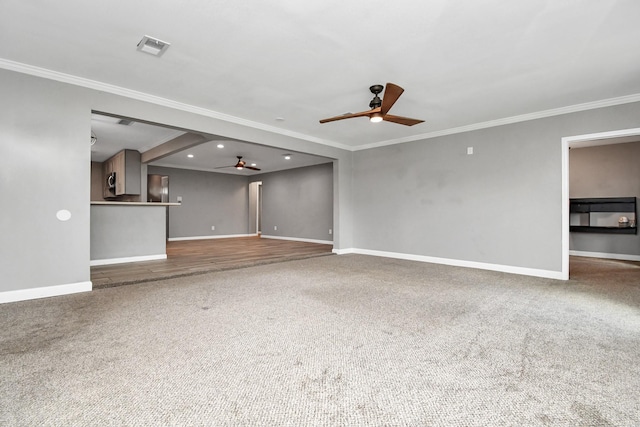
[(577, 141), (259, 208), (255, 207)]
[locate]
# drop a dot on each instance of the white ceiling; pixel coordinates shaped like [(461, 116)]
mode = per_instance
[(113, 137), (462, 63), (208, 157)]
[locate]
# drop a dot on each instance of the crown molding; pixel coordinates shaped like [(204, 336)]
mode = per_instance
[(627, 99), (141, 96), (165, 102)]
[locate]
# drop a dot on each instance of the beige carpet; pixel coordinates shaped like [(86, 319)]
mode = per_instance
[(332, 341)]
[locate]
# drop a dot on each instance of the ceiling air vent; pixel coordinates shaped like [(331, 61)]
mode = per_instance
[(125, 122), (153, 46)]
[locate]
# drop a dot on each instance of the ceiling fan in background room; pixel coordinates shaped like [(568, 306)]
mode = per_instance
[(240, 165), (380, 107)]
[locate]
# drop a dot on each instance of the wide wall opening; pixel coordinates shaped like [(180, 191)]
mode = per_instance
[(199, 188)]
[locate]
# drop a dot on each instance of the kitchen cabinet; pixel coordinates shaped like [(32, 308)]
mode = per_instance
[(125, 168)]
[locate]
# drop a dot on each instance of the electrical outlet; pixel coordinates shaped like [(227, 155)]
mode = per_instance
[(275, 227), (469, 150), (179, 199), (330, 231), (213, 228)]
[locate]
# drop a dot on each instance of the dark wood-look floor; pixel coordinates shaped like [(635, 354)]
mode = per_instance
[(201, 256)]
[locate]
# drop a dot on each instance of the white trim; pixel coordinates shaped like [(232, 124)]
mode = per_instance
[(298, 239), (109, 261), (547, 274), (151, 204), (575, 142), (44, 292), (581, 140), (623, 257), (507, 120), (564, 210), (141, 96), (346, 251), (258, 210), (227, 236)]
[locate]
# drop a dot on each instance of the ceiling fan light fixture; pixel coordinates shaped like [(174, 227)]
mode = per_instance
[(380, 107), (240, 165)]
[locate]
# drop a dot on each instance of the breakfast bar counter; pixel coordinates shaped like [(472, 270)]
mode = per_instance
[(128, 231)]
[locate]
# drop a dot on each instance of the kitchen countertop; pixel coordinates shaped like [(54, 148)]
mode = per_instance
[(134, 203)]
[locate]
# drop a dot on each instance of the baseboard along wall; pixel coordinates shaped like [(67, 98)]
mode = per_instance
[(547, 274), (298, 239), (225, 236), (605, 255), (109, 261), (44, 292)]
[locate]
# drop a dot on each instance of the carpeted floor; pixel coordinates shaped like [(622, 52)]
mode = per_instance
[(345, 340)]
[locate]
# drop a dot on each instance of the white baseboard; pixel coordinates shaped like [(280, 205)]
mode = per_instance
[(110, 261), (622, 257), (44, 292), (547, 274), (298, 239), (227, 236), (344, 251)]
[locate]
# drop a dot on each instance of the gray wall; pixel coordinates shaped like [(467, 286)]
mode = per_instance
[(605, 171), (208, 199), (299, 202), (501, 205), (44, 167)]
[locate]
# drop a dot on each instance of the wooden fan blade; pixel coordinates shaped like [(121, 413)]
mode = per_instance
[(252, 168), (350, 116), (401, 120), (391, 94), (222, 167)]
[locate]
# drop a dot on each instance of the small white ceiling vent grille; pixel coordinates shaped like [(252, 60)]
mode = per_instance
[(153, 46)]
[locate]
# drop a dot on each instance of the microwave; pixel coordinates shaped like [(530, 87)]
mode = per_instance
[(111, 182)]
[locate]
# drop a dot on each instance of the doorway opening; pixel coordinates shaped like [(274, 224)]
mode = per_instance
[(583, 141), (255, 207)]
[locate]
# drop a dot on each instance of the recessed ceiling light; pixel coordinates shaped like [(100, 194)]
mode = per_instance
[(153, 46), (287, 156), (220, 146), (190, 156), (253, 164), (280, 119)]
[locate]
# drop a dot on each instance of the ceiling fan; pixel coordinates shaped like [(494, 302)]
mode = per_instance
[(380, 107), (240, 165)]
